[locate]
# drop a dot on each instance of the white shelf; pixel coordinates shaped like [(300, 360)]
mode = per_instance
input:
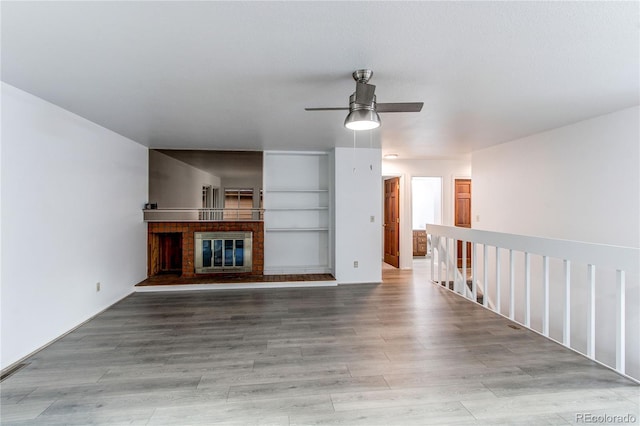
[(297, 153), (295, 229), (297, 190), (286, 209)]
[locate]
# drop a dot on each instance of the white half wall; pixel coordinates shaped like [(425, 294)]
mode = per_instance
[(72, 195), (579, 182), (358, 198), (448, 170)]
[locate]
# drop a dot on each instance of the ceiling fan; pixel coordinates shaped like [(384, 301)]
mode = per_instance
[(363, 108)]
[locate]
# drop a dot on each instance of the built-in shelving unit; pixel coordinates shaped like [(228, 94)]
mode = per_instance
[(297, 212)]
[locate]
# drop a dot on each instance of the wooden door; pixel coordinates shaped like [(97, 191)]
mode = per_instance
[(463, 213), (392, 221)]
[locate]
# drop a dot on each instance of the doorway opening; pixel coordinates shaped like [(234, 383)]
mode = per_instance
[(392, 221), (462, 216), (238, 203), (207, 196), (426, 208)]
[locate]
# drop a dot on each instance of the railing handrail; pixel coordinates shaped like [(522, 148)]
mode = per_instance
[(615, 257), (203, 214), (197, 209)]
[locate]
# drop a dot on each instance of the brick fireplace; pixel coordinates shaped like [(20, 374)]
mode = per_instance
[(170, 245)]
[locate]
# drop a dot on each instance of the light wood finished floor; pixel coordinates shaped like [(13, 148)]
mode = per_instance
[(400, 353)]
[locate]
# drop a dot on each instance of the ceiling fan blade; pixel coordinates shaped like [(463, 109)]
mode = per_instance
[(364, 93), (400, 107), (328, 109)]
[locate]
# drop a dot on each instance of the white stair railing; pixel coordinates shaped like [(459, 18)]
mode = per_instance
[(622, 263), (444, 266)]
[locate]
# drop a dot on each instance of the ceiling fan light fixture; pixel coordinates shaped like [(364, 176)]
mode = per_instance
[(362, 119)]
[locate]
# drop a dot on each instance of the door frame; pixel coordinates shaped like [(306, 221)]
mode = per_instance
[(392, 259), (453, 220), (442, 203), (442, 197), (401, 236), (452, 201)]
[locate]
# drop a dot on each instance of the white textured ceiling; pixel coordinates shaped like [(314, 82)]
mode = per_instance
[(237, 75)]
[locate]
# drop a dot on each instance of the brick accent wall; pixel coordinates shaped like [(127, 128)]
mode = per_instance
[(187, 229)]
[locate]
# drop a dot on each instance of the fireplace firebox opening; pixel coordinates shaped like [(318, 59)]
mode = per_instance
[(223, 252)]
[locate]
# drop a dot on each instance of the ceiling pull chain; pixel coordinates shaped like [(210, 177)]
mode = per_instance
[(371, 149), (354, 151)]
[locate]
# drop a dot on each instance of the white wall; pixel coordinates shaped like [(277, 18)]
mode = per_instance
[(228, 169), (358, 197), (448, 170), (579, 182), (72, 194), (175, 184)]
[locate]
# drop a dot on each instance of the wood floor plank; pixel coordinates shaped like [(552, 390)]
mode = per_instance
[(429, 414), (264, 411), (265, 376), (24, 410), (286, 389), (595, 379), (557, 402), (408, 397)]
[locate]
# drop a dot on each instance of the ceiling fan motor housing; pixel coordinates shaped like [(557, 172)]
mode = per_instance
[(354, 106)]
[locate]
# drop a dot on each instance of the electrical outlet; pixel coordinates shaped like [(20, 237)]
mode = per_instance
[(355, 263), (97, 286)]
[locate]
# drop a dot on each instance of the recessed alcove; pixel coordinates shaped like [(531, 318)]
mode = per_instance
[(167, 239), (169, 258)]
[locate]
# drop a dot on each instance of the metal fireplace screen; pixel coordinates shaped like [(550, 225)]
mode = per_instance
[(223, 252)]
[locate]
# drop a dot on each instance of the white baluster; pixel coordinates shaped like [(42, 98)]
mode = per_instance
[(498, 291), (474, 272), (620, 321), (527, 289), (448, 261), (464, 267), (591, 312), (485, 274), (545, 289), (456, 287), (512, 286), (566, 332), (439, 246), (433, 258)]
